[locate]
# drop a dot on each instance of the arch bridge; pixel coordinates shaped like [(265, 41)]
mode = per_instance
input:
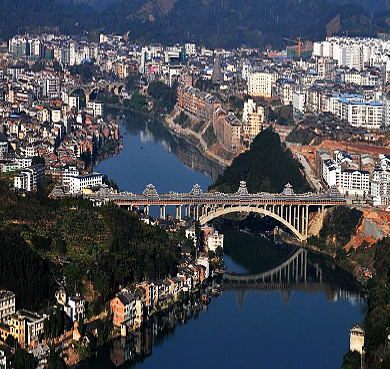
[(289, 208)]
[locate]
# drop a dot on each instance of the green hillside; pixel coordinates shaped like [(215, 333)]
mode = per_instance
[(268, 167)]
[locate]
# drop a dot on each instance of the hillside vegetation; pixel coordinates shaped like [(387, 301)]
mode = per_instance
[(215, 23), (92, 249), (268, 166)]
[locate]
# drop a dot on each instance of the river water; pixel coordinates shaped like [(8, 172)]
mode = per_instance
[(300, 324)]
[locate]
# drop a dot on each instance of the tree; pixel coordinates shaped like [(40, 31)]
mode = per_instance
[(351, 360), (268, 166), (23, 360), (55, 360), (59, 321), (46, 328), (81, 325), (211, 254), (10, 341), (219, 252), (52, 320)]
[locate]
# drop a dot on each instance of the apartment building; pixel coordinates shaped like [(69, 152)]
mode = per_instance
[(78, 183), (252, 118), (29, 179), (348, 181), (228, 130), (7, 304), (260, 84), (197, 103), (123, 308)]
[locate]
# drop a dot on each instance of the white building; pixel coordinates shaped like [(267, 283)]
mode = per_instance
[(190, 234), (67, 173), (286, 91), (190, 49), (75, 308), (356, 339), (74, 102), (386, 111), (23, 162), (246, 69), (253, 118), (380, 186), (354, 182), (29, 178), (260, 84), (351, 181), (299, 103), (356, 110), (331, 172), (3, 360), (79, 183), (7, 304), (3, 145), (50, 85), (214, 240), (95, 108), (205, 262)]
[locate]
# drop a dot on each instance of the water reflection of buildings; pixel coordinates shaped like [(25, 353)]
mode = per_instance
[(186, 152), (138, 345), (293, 275)]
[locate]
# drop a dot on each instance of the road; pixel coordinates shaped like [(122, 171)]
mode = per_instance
[(310, 175)]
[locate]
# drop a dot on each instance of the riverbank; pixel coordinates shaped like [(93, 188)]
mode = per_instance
[(196, 138)]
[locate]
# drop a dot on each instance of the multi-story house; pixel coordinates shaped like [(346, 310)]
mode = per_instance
[(79, 183), (7, 304), (123, 308), (75, 308)]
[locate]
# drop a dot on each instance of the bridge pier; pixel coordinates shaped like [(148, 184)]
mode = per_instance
[(307, 221), (178, 212), (146, 210), (162, 211)]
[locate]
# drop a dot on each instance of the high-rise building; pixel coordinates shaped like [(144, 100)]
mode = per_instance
[(260, 84)]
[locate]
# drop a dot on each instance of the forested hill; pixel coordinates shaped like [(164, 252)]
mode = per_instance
[(92, 249), (267, 167), (215, 23)]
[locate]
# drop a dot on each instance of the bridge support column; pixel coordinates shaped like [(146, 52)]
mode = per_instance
[(146, 210), (305, 264), (162, 211), (289, 214), (307, 221), (298, 219), (178, 212)]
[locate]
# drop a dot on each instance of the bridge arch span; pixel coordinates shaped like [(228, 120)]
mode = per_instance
[(250, 209)]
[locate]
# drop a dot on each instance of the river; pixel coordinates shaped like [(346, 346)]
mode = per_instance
[(304, 324)]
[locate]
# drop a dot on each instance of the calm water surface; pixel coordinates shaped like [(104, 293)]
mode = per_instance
[(242, 328)]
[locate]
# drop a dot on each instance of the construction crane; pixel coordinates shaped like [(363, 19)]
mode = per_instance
[(298, 42)]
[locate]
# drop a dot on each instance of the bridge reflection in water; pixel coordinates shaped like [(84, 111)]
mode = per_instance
[(301, 271), (296, 274)]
